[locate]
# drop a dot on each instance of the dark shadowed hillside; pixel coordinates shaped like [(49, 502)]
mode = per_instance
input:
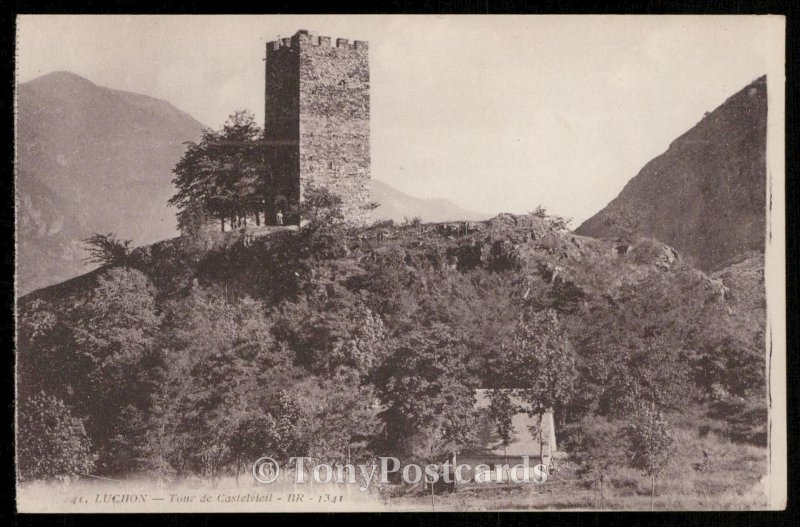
[(90, 159), (706, 195)]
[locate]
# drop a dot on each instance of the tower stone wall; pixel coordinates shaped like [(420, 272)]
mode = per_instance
[(317, 122)]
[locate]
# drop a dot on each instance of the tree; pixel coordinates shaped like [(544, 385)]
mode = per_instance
[(644, 343), (122, 453), (321, 207), (114, 333), (650, 443), (596, 445), (559, 223), (116, 327), (223, 372), (336, 416), (107, 249), (46, 358), (222, 175), (391, 283), (364, 348), (324, 233), (429, 394), (51, 443), (502, 410), (274, 431), (730, 362), (329, 333), (539, 212), (159, 455), (96, 353), (539, 363), (651, 372)]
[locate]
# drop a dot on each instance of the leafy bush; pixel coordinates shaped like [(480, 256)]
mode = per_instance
[(51, 443)]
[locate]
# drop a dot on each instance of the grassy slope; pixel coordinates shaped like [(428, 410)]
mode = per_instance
[(732, 483)]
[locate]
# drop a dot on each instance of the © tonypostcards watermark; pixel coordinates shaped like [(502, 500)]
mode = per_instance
[(266, 470)]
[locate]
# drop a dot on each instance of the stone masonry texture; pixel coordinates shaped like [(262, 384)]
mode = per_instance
[(317, 122)]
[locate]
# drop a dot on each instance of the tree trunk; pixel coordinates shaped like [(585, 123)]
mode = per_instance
[(258, 219), (653, 493), (602, 496), (599, 499), (222, 224)]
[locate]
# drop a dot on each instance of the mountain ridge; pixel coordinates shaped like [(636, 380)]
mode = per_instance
[(706, 194)]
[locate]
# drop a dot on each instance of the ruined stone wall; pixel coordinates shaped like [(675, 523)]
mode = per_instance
[(318, 95)]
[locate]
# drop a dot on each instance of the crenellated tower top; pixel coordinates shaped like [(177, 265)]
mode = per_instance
[(309, 38)]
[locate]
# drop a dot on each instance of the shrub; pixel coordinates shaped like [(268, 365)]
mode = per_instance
[(51, 443)]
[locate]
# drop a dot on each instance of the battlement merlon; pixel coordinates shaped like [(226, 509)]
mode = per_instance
[(304, 37)]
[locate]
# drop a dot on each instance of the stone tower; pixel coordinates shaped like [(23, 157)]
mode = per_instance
[(317, 122)]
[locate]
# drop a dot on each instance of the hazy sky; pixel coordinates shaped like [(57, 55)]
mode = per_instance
[(496, 113)]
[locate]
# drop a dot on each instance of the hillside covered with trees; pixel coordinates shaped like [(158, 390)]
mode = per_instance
[(196, 355)]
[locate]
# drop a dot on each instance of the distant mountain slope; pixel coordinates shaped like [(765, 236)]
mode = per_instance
[(397, 206), (90, 159), (48, 234), (706, 195)]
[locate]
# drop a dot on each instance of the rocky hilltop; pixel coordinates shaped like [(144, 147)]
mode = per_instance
[(706, 195)]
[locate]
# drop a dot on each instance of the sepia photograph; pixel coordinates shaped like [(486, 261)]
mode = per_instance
[(332, 263)]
